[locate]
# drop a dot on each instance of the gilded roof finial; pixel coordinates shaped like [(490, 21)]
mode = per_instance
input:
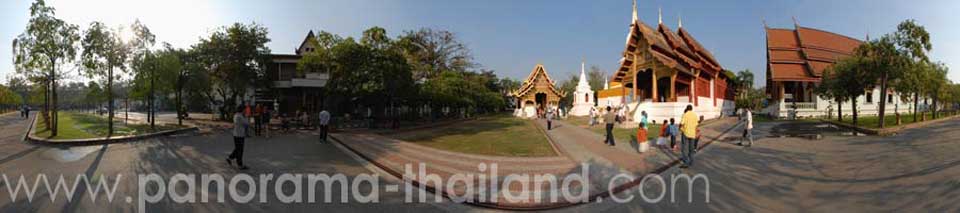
[(679, 21), (634, 10), (660, 15)]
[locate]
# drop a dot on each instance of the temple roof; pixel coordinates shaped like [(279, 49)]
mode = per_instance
[(529, 82), (675, 49), (801, 54)]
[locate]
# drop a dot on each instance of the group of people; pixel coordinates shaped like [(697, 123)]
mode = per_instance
[(687, 130), (25, 111), (260, 117)]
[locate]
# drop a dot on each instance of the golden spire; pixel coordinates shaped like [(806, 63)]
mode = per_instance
[(679, 22), (660, 15), (634, 10)]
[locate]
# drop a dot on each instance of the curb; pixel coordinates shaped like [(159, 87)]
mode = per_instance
[(552, 206), (890, 130), (98, 141)]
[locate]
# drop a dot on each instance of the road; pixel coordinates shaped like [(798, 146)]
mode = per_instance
[(200, 154), (914, 171)]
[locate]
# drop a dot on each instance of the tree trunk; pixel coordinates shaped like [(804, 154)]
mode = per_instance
[(916, 105), (53, 98), (179, 106), (153, 113), (839, 110), (935, 106), (109, 101), (883, 99), (854, 103), (46, 104)]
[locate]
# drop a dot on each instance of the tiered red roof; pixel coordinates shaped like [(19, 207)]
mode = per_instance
[(677, 50), (803, 53)]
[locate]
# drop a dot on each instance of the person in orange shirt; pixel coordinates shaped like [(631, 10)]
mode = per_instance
[(641, 137)]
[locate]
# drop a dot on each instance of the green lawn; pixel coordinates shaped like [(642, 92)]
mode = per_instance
[(653, 131), (499, 135), (890, 120), (74, 125)]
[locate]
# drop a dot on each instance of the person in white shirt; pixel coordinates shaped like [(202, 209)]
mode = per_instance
[(241, 127), (747, 128), (324, 120)]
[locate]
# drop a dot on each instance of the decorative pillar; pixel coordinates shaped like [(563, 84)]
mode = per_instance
[(673, 87), (655, 95), (713, 91), (693, 88)]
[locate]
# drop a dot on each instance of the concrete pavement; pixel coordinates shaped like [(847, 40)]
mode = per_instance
[(916, 170)]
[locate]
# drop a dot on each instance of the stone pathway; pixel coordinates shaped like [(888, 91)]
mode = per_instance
[(581, 150)]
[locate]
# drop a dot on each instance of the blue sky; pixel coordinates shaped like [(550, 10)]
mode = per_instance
[(510, 37)]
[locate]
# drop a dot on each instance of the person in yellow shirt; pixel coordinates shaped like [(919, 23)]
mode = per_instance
[(688, 127)]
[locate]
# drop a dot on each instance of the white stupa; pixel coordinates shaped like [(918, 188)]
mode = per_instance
[(583, 96)]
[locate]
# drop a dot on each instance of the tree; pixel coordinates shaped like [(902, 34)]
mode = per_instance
[(939, 86), (831, 88), (20, 86), (103, 52), (233, 57), (568, 85), (743, 84), (39, 52), (432, 52), (596, 77), (895, 54), (144, 65), (847, 80)]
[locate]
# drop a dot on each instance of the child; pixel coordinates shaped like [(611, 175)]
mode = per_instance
[(673, 131), (664, 132), (642, 138)]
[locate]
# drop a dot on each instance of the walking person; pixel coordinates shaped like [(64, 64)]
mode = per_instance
[(610, 118), (266, 116), (642, 145), (324, 120), (747, 128), (549, 121), (688, 127), (241, 127), (258, 119), (674, 132)]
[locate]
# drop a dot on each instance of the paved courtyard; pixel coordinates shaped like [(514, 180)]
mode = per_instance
[(913, 171)]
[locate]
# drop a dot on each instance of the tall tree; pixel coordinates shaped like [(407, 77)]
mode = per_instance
[(40, 51), (596, 77), (144, 65), (893, 55), (847, 79), (432, 52), (104, 52), (234, 56)]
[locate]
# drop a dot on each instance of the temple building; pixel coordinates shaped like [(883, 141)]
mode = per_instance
[(796, 60), (290, 90), (538, 93), (662, 71), (583, 97)]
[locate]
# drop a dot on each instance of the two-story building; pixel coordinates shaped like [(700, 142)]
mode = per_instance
[(291, 90)]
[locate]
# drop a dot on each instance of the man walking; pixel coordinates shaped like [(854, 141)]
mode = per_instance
[(549, 120), (324, 120), (688, 128), (610, 118), (747, 128), (241, 127)]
